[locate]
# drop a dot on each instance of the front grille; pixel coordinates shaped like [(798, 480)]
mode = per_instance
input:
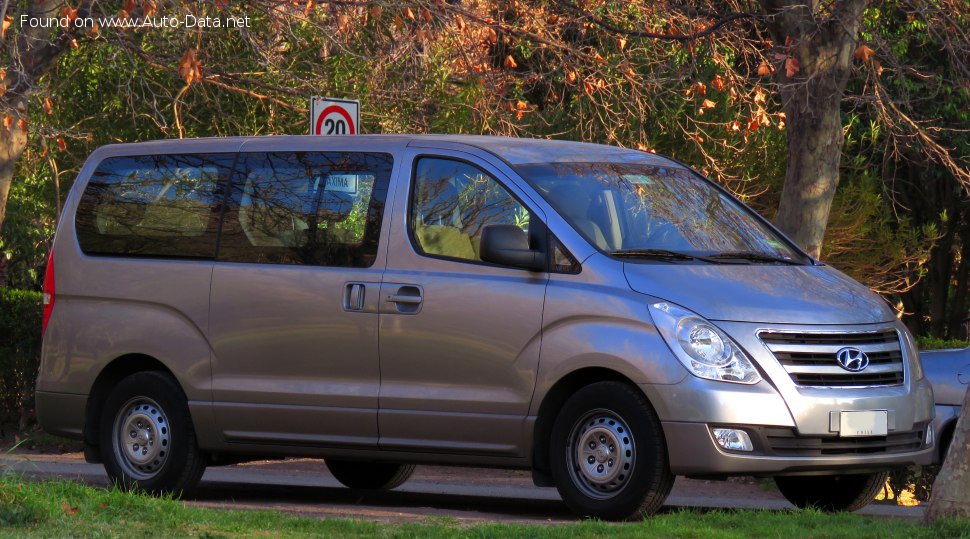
[(843, 339), (809, 357), (786, 442)]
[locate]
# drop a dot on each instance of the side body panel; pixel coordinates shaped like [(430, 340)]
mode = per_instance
[(293, 363), (457, 371)]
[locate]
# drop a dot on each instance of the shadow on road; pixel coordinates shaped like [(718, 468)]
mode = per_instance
[(302, 499)]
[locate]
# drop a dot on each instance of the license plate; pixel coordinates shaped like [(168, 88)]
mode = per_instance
[(874, 423)]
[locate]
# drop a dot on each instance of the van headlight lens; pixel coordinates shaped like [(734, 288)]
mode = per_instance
[(705, 350)]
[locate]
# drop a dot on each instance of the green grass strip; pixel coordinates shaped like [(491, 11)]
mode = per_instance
[(67, 509)]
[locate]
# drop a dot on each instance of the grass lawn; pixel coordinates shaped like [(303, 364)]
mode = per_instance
[(66, 509)]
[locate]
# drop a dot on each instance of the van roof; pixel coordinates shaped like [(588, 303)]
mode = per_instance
[(515, 151)]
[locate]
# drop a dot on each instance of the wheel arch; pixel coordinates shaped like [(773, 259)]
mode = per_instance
[(552, 401), (115, 371)]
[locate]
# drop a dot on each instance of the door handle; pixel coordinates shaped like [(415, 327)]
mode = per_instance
[(401, 298), (354, 297), (407, 299)]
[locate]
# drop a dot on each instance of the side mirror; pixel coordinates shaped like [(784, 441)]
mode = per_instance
[(508, 245)]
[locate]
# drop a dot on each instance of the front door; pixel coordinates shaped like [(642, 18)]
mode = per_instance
[(459, 337), (294, 299)]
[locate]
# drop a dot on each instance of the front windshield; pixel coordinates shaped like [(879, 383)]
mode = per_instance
[(642, 210)]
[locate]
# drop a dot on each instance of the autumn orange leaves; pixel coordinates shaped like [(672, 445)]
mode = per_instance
[(189, 68)]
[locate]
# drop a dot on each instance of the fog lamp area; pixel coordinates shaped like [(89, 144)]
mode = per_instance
[(732, 439)]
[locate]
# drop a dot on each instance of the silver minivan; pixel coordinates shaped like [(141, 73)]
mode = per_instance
[(605, 317)]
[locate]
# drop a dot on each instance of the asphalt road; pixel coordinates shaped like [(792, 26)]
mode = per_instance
[(304, 487)]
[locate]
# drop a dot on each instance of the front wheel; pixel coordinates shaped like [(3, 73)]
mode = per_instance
[(147, 437), (369, 475), (608, 453), (832, 492)]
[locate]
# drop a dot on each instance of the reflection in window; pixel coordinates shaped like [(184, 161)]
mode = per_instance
[(631, 206), (307, 208), (453, 202), (154, 205)]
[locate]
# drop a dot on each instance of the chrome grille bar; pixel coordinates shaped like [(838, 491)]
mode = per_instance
[(810, 357)]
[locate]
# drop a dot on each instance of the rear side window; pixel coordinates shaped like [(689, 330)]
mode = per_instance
[(306, 208), (154, 205)]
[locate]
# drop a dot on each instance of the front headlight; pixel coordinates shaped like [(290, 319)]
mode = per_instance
[(705, 350)]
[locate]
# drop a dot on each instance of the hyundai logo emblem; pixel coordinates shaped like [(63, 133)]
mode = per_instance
[(852, 359)]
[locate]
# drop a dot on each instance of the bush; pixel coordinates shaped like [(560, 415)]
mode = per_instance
[(935, 343), (21, 313)]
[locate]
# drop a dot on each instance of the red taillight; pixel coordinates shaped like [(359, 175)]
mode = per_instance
[(48, 291)]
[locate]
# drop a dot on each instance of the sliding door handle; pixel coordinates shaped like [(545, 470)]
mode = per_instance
[(407, 299)]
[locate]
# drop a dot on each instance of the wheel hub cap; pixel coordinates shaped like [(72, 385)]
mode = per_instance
[(601, 454), (141, 438)]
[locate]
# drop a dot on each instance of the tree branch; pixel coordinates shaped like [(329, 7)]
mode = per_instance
[(721, 21)]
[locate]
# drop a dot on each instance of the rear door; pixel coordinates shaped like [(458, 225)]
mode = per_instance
[(295, 298), (459, 336)]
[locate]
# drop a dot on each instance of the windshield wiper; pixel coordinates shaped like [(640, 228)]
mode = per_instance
[(753, 257), (658, 254)]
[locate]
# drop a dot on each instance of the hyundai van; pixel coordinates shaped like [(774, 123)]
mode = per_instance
[(607, 318)]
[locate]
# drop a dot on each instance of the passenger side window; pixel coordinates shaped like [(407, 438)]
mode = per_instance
[(452, 202), (306, 208), (153, 205)]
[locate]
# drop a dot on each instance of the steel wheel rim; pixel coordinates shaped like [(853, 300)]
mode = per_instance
[(600, 454), (141, 438)]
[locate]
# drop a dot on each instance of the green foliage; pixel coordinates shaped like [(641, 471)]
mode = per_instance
[(928, 342), (27, 231), (869, 242), (924, 79), (21, 314)]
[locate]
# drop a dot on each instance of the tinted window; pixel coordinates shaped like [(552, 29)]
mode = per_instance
[(153, 205), (306, 208), (453, 202)]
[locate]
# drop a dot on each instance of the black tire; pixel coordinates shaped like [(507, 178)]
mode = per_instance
[(832, 492), (370, 475), (150, 407), (627, 474)]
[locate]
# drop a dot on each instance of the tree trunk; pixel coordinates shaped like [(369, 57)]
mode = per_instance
[(814, 152), (815, 44), (12, 143), (32, 52), (950, 497)]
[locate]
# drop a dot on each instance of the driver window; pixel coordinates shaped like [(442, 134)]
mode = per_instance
[(453, 202)]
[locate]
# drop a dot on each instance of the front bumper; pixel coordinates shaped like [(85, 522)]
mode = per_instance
[(693, 451), (784, 442)]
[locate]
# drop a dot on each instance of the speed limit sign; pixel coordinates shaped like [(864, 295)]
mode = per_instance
[(329, 116)]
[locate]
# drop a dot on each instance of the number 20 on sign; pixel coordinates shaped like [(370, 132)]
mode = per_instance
[(329, 116)]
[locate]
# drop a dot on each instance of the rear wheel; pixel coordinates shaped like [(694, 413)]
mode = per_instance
[(608, 453), (370, 475), (832, 492), (147, 437)]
